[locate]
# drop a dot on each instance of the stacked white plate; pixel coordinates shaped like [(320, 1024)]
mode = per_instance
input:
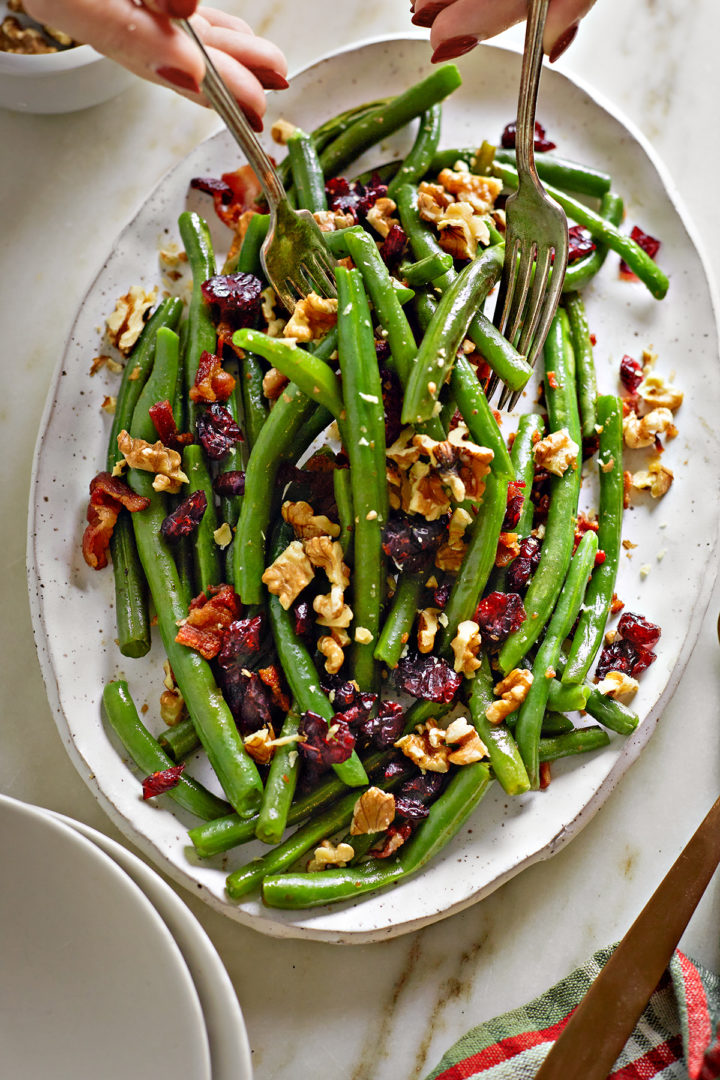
[(104, 969)]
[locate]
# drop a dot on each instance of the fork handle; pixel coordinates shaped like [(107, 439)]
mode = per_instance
[(227, 108), (529, 84)]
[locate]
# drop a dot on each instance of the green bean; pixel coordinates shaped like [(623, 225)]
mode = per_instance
[(387, 118), (365, 446), (505, 760), (342, 491), (421, 711), (638, 260), (254, 402), (160, 383), (234, 460), (280, 785), (447, 815), (179, 741), (201, 335), (531, 428), (150, 758), (425, 271), (316, 380), (581, 271), (560, 526), (206, 553), (478, 561), (591, 625), (446, 331), (585, 377), (555, 723), (610, 713), (579, 741), (565, 174), (307, 174), (300, 671), (247, 260), (500, 354), (415, 165), (479, 417), (399, 621), (532, 710), (563, 698)]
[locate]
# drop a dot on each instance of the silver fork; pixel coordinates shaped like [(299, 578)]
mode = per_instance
[(295, 257), (536, 238)]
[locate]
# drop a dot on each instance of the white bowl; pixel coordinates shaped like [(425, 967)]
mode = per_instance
[(59, 82)]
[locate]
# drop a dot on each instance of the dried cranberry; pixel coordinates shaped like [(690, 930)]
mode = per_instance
[(217, 431), (355, 199), (241, 642), (229, 483), (427, 677), (541, 142), (357, 713), (236, 297), (623, 655), (318, 752), (211, 185), (649, 244), (249, 699), (410, 809), (341, 692), (385, 729), (395, 837), (590, 445), (422, 788), (164, 780), (638, 630), (303, 616), (515, 500), (382, 350), (631, 374), (412, 542), (580, 243), (522, 568), (441, 595), (498, 615), (393, 246), (163, 420), (186, 517), (397, 766)]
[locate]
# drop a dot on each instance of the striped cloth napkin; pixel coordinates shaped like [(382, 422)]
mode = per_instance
[(676, 1037)]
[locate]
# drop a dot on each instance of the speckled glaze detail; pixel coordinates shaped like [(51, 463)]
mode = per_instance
[(72, 606)]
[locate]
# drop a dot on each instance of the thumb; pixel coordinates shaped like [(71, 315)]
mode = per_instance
[(174, 9)]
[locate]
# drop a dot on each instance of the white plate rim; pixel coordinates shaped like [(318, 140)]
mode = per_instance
[(634, 743)]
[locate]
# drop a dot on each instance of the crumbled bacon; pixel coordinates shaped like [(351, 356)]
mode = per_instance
[(650, 246), (584, 524), (272, 678), (185, 518), (212, 382), (164, 780), (108, 496), (233, 194), (207, 620), (163, 420)]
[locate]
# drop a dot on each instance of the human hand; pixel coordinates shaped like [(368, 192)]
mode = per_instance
[(143, 39), (458, 25)]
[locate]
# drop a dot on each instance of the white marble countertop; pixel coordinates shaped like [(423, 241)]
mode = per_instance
[(68, 184)]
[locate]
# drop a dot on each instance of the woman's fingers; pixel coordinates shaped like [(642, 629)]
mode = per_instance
[(562, 24), (260, 56)]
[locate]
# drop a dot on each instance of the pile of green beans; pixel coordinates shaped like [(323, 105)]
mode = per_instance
[(423, 313)]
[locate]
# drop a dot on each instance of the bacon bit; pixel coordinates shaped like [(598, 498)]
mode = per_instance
[(584, 524), (160, 782), (552, 381), (508, 548), (616, 605), (233, 194), (627, 488), (208, 618), (593, 340), (271, 677), (212, 383), (648, 243), (163, 420), (498, 417), (108, 496), (545, 775)]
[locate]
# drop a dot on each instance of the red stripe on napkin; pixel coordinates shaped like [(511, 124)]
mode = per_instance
[(653, 1062), (699, 1027), (503, 1051)]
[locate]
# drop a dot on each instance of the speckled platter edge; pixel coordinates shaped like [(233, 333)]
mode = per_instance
[(72, 606)]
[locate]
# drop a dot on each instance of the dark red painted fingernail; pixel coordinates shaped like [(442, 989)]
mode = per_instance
[(270, 79), (453, 48), (177, 9), (253, 119), (563, 42), (181, 79), (428, 15)]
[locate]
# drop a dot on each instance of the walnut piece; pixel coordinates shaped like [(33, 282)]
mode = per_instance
[(617, 684), (657, 478), (332, 609), (426, 747), (275, 323), (466, 645), (328, 555), (556, 452), (172, 707), (332, 220), (125, 324), (154, 458), (656, 391), (260, 745), (307, 524), (640, 431), (461, 231), (470, 746), (427, 628), (511, 691), (362, 635), (330, 855), (380, 216), (289, 574), (459, 463), (312, 318), (273, 384), (281, 131), (26, 40), (479, 191), (333, 653), (373, 812)]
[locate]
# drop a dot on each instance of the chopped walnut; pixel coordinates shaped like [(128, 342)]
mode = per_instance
[(656, 391), (223, 535), (479, 191), (260, 745), (556, 452), (332, 220), (273, 384), (380, 216), (26, 40), (617, 684), (426, 747), (109, 404), (105, 361), (328, 555), (281, 131), (461, 230), (333, 653), (470, 746), (275, 323), (306, 524), (330, 855), (640, 431), (373, 812), (427, 628), (466, 646), (461, 464), (511, 691), (432, 201), (125, 324), (155, 458), (172, 707), (363, 636), (657, 478), (289, 574), (450, 555), (422, 492), (312, 318), (404, 452), (332, 609)]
